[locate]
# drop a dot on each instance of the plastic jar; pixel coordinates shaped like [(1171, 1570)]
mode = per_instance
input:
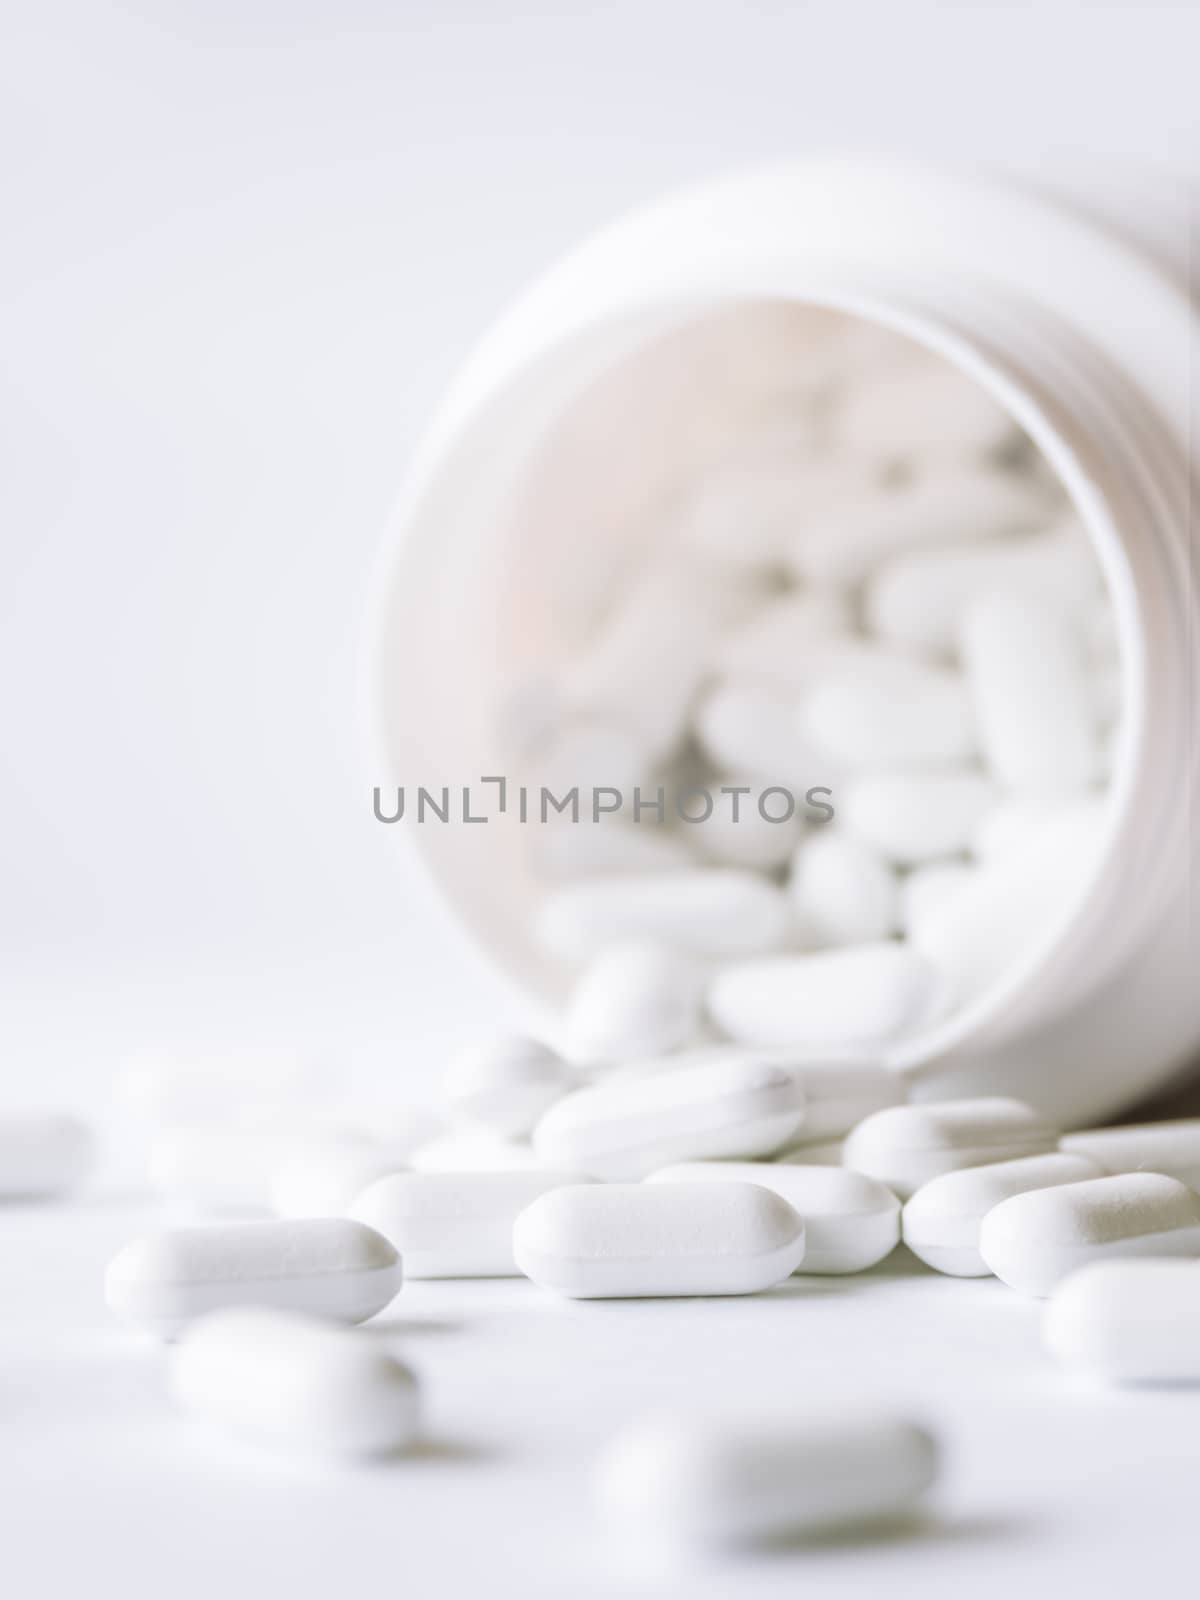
[(1091, 347)]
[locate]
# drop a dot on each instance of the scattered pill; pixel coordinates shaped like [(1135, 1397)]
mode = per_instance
[(943, 1219), (453, 1224), (295, 1383), (897, 713), (329, 1266), (742, 1106), (629, 1240), (1135, 1321), (693, 1482), (850, 1221), (751, 729), (1033, 1241), (907, 1146)]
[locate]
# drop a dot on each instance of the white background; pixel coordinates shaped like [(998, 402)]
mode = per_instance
[(245, 244)]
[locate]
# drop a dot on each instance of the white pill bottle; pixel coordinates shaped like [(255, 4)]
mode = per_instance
[(508, 532)]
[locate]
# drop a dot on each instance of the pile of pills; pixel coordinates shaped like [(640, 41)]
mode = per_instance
[(836, 738), (711, 1172), (882, 611)]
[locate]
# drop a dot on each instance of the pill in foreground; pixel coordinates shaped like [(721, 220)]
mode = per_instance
[(627, 1240), (42, 1153), (1034, 1240), (329, 1267), (943, 1220), (906, 1146), (454, 1224), (731, 1106), (1128, 1321), (697, 1483), (295, 1383), (850, 1221)]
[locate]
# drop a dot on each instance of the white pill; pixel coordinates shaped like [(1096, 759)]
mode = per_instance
[(43, 1153), (474, 1149), (505, 1083), (943, 1219), (324, 1180), (624, 1129), (1033, 704), (1128, 1321), (220, 1088), (843, 891), (454, 1224), (922, 409), (232, 1169), (859, 995), (776, 645), (746, 728), (916, 817), (626, 1240), (635, 999), (918, 599), (696, 1483), (706, 912), (1169, 1147), (327, 1266), (738, 832), (907, 1146), (841, 544), (647, 660), (895, 713), (850, 1221), (977, 934), (580, 850), (926, 888), (294, 1383), (1033, 1241)]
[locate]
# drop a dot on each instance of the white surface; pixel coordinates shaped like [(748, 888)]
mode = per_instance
[(1050, 1486)]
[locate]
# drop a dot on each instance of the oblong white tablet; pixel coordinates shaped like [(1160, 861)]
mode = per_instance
[(850, 1221), (637, 998), (1128, 1321), (942, 1221), (295, 1383), (1169, 1147), (454, 1224), (626, 1128), (905, 1146), (629, 1240), (696, 1482), (42, 1153), (1034, 1240), (329, 1267), (859, 996)]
